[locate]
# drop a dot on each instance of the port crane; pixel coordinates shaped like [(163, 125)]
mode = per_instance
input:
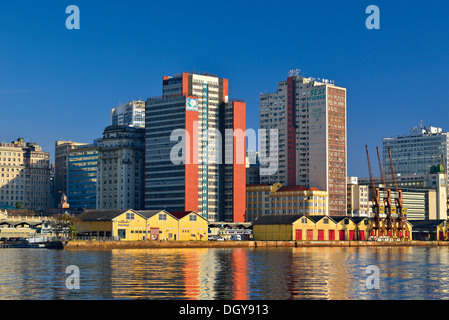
[(388, 226), (375, 198), (400, 226)]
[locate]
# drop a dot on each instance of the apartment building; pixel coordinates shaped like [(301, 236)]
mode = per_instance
[(24, 175), (310, 117)]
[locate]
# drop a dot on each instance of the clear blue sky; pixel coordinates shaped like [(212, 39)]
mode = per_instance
[(57, 83)]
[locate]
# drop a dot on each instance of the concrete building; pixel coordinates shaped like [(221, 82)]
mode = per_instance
[(284, 200), (120, 175), (358, 198), (62, 148), (82, 176), (129, 114), (424, 196), (416, 152), (24, 175), (310, 116), (189, 123)]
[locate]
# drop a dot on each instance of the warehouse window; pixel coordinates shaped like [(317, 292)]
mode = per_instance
[(162, 216), (130, 216), (192, 217)]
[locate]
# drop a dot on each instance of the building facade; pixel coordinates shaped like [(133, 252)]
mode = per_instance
[(190, 164), (310, 118), (416, 152), (62, 148), (129, 114), (82, 177), (120, 175), (358, 198), (25, 175), (284, 200)]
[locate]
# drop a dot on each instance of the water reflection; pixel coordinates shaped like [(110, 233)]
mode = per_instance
[(238, 274)]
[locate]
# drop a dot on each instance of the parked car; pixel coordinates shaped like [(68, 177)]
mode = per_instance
[(3, 239), (236, 237), (12, 239)]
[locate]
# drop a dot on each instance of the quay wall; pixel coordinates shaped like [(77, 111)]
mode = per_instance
[(98, 245)]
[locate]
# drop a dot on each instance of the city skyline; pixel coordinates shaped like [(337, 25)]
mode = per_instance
[(65, 82)]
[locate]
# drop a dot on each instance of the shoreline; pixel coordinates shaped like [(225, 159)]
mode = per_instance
[(107, 245)]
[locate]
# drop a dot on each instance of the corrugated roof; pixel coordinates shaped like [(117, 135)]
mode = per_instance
[(101, 215), (425, 224), (296, 188), (274, 219)]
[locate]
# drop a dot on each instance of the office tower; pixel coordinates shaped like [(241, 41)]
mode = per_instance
[(61, 164), (416, 152), (310, 116), (25, 175), (194, 114), (120, 175), (82, 176), (129, 114)]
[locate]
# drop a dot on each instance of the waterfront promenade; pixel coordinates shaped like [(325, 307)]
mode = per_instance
[(95, 244)]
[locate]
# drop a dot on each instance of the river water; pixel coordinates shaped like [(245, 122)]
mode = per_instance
[(226, 274)]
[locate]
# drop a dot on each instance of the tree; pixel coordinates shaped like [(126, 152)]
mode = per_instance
[(63, 225), (19, 205)]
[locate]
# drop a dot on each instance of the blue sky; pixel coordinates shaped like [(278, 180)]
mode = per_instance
[(57, 83)]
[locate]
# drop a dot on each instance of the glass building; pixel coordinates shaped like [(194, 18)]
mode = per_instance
[(82, 177)]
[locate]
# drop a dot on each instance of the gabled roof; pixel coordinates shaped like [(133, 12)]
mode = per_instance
[(276, 219), (149, 213), (357, 220), (181, 214), (425, 224), (101, 215)]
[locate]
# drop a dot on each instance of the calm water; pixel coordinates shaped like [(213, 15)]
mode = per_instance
[(256, 273)]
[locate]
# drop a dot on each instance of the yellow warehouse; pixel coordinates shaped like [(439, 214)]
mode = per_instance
[(123, 224), (161, 225), (192, 226)]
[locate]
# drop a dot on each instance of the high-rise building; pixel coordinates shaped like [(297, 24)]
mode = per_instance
[(61, 165), (25, 175), (82, 176), (310, 117), (129, 114), (193, 116), (416, 152), (120, 174)]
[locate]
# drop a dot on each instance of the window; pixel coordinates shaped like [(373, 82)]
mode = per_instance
[(326, 221), (346, 221), (192, 217), (162, 217), (130, 216)]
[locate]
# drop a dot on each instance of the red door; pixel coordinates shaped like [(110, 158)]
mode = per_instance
[(331, 235), (298, 234), (362, 235), (441, 237), (309, 235), (154, 232), (342, 234), (351, 235), (321, 235)]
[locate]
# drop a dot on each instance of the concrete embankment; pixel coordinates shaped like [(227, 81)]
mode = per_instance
[(98, 245)]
